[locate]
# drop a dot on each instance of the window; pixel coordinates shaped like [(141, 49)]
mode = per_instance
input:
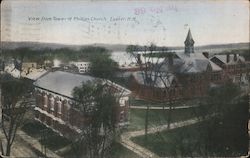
[(59, 107), (39, 100), (45, 100), (122, 116), (122, 102), (52, 102)]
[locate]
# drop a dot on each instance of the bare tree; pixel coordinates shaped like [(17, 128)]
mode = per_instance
[(14, 106), (98, 104), (169, 91), (148, 60)]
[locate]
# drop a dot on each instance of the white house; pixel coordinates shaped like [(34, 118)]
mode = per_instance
[(83, 66)]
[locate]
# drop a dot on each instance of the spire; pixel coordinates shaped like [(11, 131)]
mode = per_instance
[(189, 43)]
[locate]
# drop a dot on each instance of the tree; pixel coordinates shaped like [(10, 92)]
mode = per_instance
[(98, 104), (228, 118), (148, 60), (222, 132), (103, 66), (14, 106)]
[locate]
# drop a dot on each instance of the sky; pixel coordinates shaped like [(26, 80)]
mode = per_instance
[(164, 23)]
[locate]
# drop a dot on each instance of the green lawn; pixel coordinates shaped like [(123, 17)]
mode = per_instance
[(55, 141), (141, 102), (52, 140), (168, 143), (119, 151), (33, 129), (158, 117), (210, 138)]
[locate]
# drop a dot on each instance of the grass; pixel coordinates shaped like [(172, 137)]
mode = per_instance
[(141, 102), (190, 141), (211, 138), (52, 140), (33, 129), (165, 143), (119, 151), (55, 141), (157, 117)]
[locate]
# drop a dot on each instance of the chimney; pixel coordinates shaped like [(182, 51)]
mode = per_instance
[(206, 54), (228, 55), (235, 57)]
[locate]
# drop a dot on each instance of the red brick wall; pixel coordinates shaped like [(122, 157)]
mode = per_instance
[(188, 86), (71, 116)]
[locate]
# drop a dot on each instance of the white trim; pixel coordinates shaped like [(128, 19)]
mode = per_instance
[(50, 115), (58, 119)]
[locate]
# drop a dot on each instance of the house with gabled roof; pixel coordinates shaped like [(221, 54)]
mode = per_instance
[(234, 66)]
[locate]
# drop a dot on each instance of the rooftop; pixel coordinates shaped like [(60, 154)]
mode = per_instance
[(223, 58), (162, 80), (62, 82), (193, 63)]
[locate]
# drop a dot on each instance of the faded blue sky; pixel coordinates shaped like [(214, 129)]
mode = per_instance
[(162, 22)]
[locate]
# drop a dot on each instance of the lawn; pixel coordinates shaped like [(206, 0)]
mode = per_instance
[(218, 137), (52, 140), (119, 151), (169, 143), (158, 117), (141, 102), (33, 129), (55, 141)]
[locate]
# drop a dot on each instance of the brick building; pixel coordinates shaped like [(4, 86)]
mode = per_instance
[(55, 104), (182, 75), (234, 66)]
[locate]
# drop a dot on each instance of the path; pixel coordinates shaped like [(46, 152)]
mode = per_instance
[(18, 148), (35, 144), (163, 108), (26, 146), (143, 152)]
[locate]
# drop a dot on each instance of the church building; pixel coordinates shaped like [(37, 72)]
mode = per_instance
[(183, 75)]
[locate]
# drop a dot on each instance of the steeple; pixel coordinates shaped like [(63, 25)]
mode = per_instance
[(189, 43)]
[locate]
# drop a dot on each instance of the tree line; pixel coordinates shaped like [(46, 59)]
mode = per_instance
[(63, 54)]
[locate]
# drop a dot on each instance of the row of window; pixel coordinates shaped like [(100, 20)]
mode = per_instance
[(53, 106), (52, 123)]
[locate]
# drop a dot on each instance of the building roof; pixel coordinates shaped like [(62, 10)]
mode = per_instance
[(10, 69), (193, 63), (189, 38), (34, 74), (162, 80), (62, 82), (223, 58)]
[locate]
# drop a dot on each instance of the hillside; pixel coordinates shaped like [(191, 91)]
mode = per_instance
[(119, 47)]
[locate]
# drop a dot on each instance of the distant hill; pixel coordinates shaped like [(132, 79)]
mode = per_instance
[(38, 45), (216, 48), (222, 47)]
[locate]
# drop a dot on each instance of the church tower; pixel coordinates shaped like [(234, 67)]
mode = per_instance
[(189, 43)]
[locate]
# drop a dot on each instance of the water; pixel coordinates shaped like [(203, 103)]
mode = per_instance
[(122, 58), (125, 59)]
